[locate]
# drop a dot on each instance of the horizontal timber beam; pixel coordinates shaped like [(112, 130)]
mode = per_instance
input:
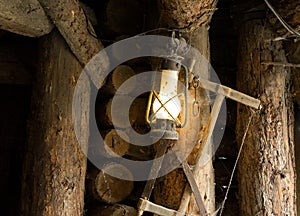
[(24, 17), (230, 93)]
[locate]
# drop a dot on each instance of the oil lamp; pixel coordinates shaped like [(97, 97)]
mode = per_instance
[(167, 106)]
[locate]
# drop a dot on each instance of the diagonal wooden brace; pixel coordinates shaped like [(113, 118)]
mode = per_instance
[(161, 150), (206, 140), (193, 185)]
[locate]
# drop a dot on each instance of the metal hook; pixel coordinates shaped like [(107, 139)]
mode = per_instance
[(196, 108), (196, 82)]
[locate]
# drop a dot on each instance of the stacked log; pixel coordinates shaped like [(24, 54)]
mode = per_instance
[(115, 118), (108, 192), (120, 74), (113, 210), (114, 144), (113, 121), (106, 188)]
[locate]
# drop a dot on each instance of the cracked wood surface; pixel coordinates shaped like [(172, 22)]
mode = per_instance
[(266, 171)]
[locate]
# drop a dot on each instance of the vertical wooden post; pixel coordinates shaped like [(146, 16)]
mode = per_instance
[(55, 166), (196, 30), (266, 172), (205, 175), (168, 192), (293, 54), (297, 156)]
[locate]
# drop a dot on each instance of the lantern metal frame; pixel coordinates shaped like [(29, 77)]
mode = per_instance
[(150, 117)]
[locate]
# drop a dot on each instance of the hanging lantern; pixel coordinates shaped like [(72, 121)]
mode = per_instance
[(167, 105)]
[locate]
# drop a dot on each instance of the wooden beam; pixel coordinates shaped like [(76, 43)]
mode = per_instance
[(54, 165), (146, 194), (230, 93), (71, 21), (24, 17)]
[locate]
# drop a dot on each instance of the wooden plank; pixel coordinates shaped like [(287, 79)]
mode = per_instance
[(230, 93), (24, 17)]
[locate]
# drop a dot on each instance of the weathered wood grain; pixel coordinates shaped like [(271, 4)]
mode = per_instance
[(266, 171), (55, 165), (24, 17)]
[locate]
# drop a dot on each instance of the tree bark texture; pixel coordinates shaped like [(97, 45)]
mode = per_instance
[(297, 154), (186, 15), (24, 17), (74, 26), (266, 171), (55, 165), (293, 54), (289, 11)]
